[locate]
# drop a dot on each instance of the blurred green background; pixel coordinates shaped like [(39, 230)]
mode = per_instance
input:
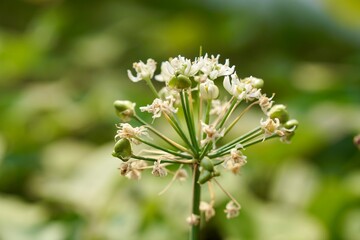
[(63, 63)]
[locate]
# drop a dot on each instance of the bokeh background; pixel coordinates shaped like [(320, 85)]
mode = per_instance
[(63, 63)]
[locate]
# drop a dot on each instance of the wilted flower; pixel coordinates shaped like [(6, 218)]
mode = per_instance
[(193, 220), (235, 161), (211, 134), (159, 170), (232, 210), (207, 209)]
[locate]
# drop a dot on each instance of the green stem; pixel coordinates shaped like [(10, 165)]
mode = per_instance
[(176, 126), (187, 116), (195, 229), (164, 149), (151, 86), (162, 136)]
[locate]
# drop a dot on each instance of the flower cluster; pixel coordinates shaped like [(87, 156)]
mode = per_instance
[(190, 103)]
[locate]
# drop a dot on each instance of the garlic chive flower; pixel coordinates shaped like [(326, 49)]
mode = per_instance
[(199, 116), (143, 71), (160, 106)]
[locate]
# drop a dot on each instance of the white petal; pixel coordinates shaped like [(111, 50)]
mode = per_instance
[(227, 85), (132, 77)]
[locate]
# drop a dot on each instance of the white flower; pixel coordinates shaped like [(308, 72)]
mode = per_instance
[(143, 71), (235, 161), (232, 210), (211, 134), (160, 106), (130, 133), (241, 89), (209, 90), (159, 170), (212, 69), (270, 127), (208, 210), (176, 66)]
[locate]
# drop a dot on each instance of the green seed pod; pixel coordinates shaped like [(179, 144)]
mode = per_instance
[(207, 164), (279, 111), (205, 176), (291, 123), (180, 82), (124, 109), (122, 149)]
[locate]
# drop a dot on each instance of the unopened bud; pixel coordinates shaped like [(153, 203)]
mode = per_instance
[(279, 111), (122, 149), (255, 82), (209, 90), (293, 123), (180, 82), (124, 109)]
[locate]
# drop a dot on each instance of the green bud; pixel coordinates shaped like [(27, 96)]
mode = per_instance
[(207, 164), (258, 83), (124, 109), (279, 111), (291, 123), (205, 176), (122, 149), (180, 82)]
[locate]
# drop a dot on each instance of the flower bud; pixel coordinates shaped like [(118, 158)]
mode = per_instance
[(293, 123), (179, 82), (255, 82), (122, 149), (124, 109), (209, 90), (279, 111), (207, 164)]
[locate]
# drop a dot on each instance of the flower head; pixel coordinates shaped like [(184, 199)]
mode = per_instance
[(143, 71)]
